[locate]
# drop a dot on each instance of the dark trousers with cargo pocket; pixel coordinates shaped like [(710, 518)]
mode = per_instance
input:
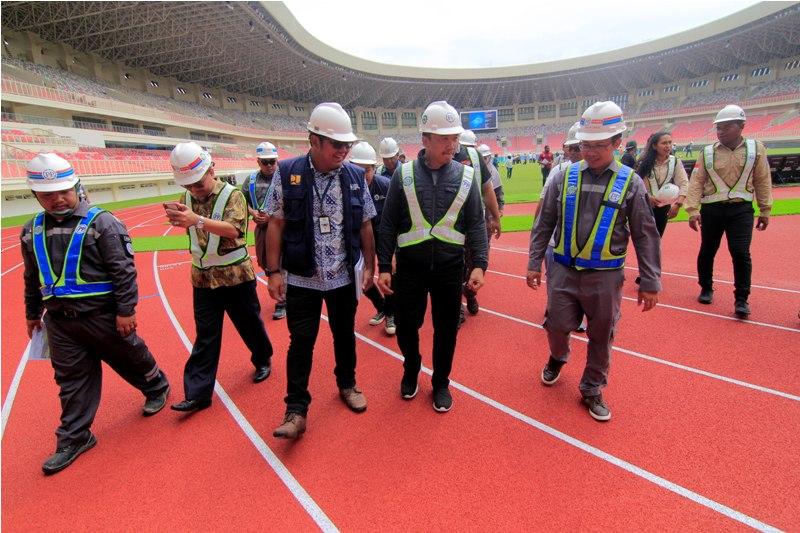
[(571, 294), (241, 304), (77, 346)]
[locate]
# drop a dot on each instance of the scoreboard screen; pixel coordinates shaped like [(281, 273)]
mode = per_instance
[(479, 120)]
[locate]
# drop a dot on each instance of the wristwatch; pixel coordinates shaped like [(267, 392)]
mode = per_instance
[(200, 223)]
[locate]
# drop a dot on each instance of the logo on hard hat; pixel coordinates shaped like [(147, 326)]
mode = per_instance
[(81, 229), (614, 197), (449, 117), (49, 174), (424, 119)]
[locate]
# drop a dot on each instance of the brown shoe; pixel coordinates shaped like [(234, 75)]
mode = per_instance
[(354, 399), (294, 425)]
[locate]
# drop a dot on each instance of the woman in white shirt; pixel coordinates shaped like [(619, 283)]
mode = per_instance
[(658, 167)]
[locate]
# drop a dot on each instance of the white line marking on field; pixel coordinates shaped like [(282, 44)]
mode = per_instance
[(765, 287), (685, 309), (12, 389), (11, 269), (297, 490)]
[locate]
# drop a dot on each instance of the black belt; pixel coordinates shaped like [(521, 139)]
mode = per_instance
[(73, 314)]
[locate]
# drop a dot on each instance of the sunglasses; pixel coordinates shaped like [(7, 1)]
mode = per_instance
[(268, 161), (573, 148), (338, 145)]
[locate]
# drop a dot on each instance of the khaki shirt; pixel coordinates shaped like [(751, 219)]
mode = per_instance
[(679, 177), (729, 164), (235, 213)]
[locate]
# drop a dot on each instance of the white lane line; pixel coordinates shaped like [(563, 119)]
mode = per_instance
[(12, 389), (652, 359), (592, 450), (11, 269), (297, 490), (765, 287), (9, 247), (685, 309)]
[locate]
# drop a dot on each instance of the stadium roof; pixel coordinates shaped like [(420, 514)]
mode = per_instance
[(260, 48)]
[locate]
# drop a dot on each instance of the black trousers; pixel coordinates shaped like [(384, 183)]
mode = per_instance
[(735, 220), (77, 346), (382, 303), (412, 289), (661, 214), (303, 308), (545, 173), (241, 304)]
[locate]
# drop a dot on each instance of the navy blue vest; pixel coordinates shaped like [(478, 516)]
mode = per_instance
[(297, 179)]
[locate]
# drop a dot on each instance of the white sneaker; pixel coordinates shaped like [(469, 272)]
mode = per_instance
[(377, 319), (390, 328)]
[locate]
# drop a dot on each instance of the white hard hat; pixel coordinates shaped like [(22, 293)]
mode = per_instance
[(484, 150), (266, 150), (189, 162), (730, 112), (49, 172), (573, 130), (442, 119), (600, 121), (668, 193), (388, 147), (468, 138), (330, 120), (363, 153)]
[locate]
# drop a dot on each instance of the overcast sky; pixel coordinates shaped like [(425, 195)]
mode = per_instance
[(497, 33)]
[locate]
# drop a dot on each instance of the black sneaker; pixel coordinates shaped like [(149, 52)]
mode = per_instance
[(377, 319), (472, 305), (551, 371), (442, 401), (706, 296), (66, 455), (280, 311), (741, 308), (409, 387), (597, 407), (155, 402)]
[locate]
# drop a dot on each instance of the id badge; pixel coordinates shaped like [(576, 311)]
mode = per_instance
[(324, 225)]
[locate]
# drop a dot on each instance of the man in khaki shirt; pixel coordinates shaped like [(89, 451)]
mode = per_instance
[(726, 177), (223, 281)]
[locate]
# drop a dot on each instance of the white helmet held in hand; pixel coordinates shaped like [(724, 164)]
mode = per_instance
[(363, 154), (668, 193), (330, 120), (49, 172), (600, 121), (730, 112), (266, 150), (484, 150), (442, 119), (189, 162), (388, 148), (468, 138), (573, 131)]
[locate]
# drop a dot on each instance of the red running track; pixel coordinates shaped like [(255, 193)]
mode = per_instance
[(708, 448)]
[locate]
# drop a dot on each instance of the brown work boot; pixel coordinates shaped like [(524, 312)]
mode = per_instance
[(294, 425), (354, 399)]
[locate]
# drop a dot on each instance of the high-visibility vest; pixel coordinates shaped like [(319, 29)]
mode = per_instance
[(69, 283), (251, 190), (208, 257), (596, 252), (653, 182), (475, 159), (739, 190), (444, 229)]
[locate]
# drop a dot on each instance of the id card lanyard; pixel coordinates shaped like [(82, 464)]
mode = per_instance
[(324, 220)]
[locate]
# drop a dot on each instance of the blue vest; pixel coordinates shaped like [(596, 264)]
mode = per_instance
[(69, 283), (297, 179)]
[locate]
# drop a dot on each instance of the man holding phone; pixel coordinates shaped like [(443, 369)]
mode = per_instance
[(215, 216)]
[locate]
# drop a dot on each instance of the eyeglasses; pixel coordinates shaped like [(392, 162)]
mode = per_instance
[(338, 145), (573, 148), (586, 147), (268, 161)]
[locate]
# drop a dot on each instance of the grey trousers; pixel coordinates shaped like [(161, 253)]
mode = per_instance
[(597, 294), (77, 346)]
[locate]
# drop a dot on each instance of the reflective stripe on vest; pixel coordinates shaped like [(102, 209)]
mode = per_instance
[(209, 257), (444, 230), (596, 252), (475, 159), (252, 192), (653, 182), (69, 284), (739, 190)]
